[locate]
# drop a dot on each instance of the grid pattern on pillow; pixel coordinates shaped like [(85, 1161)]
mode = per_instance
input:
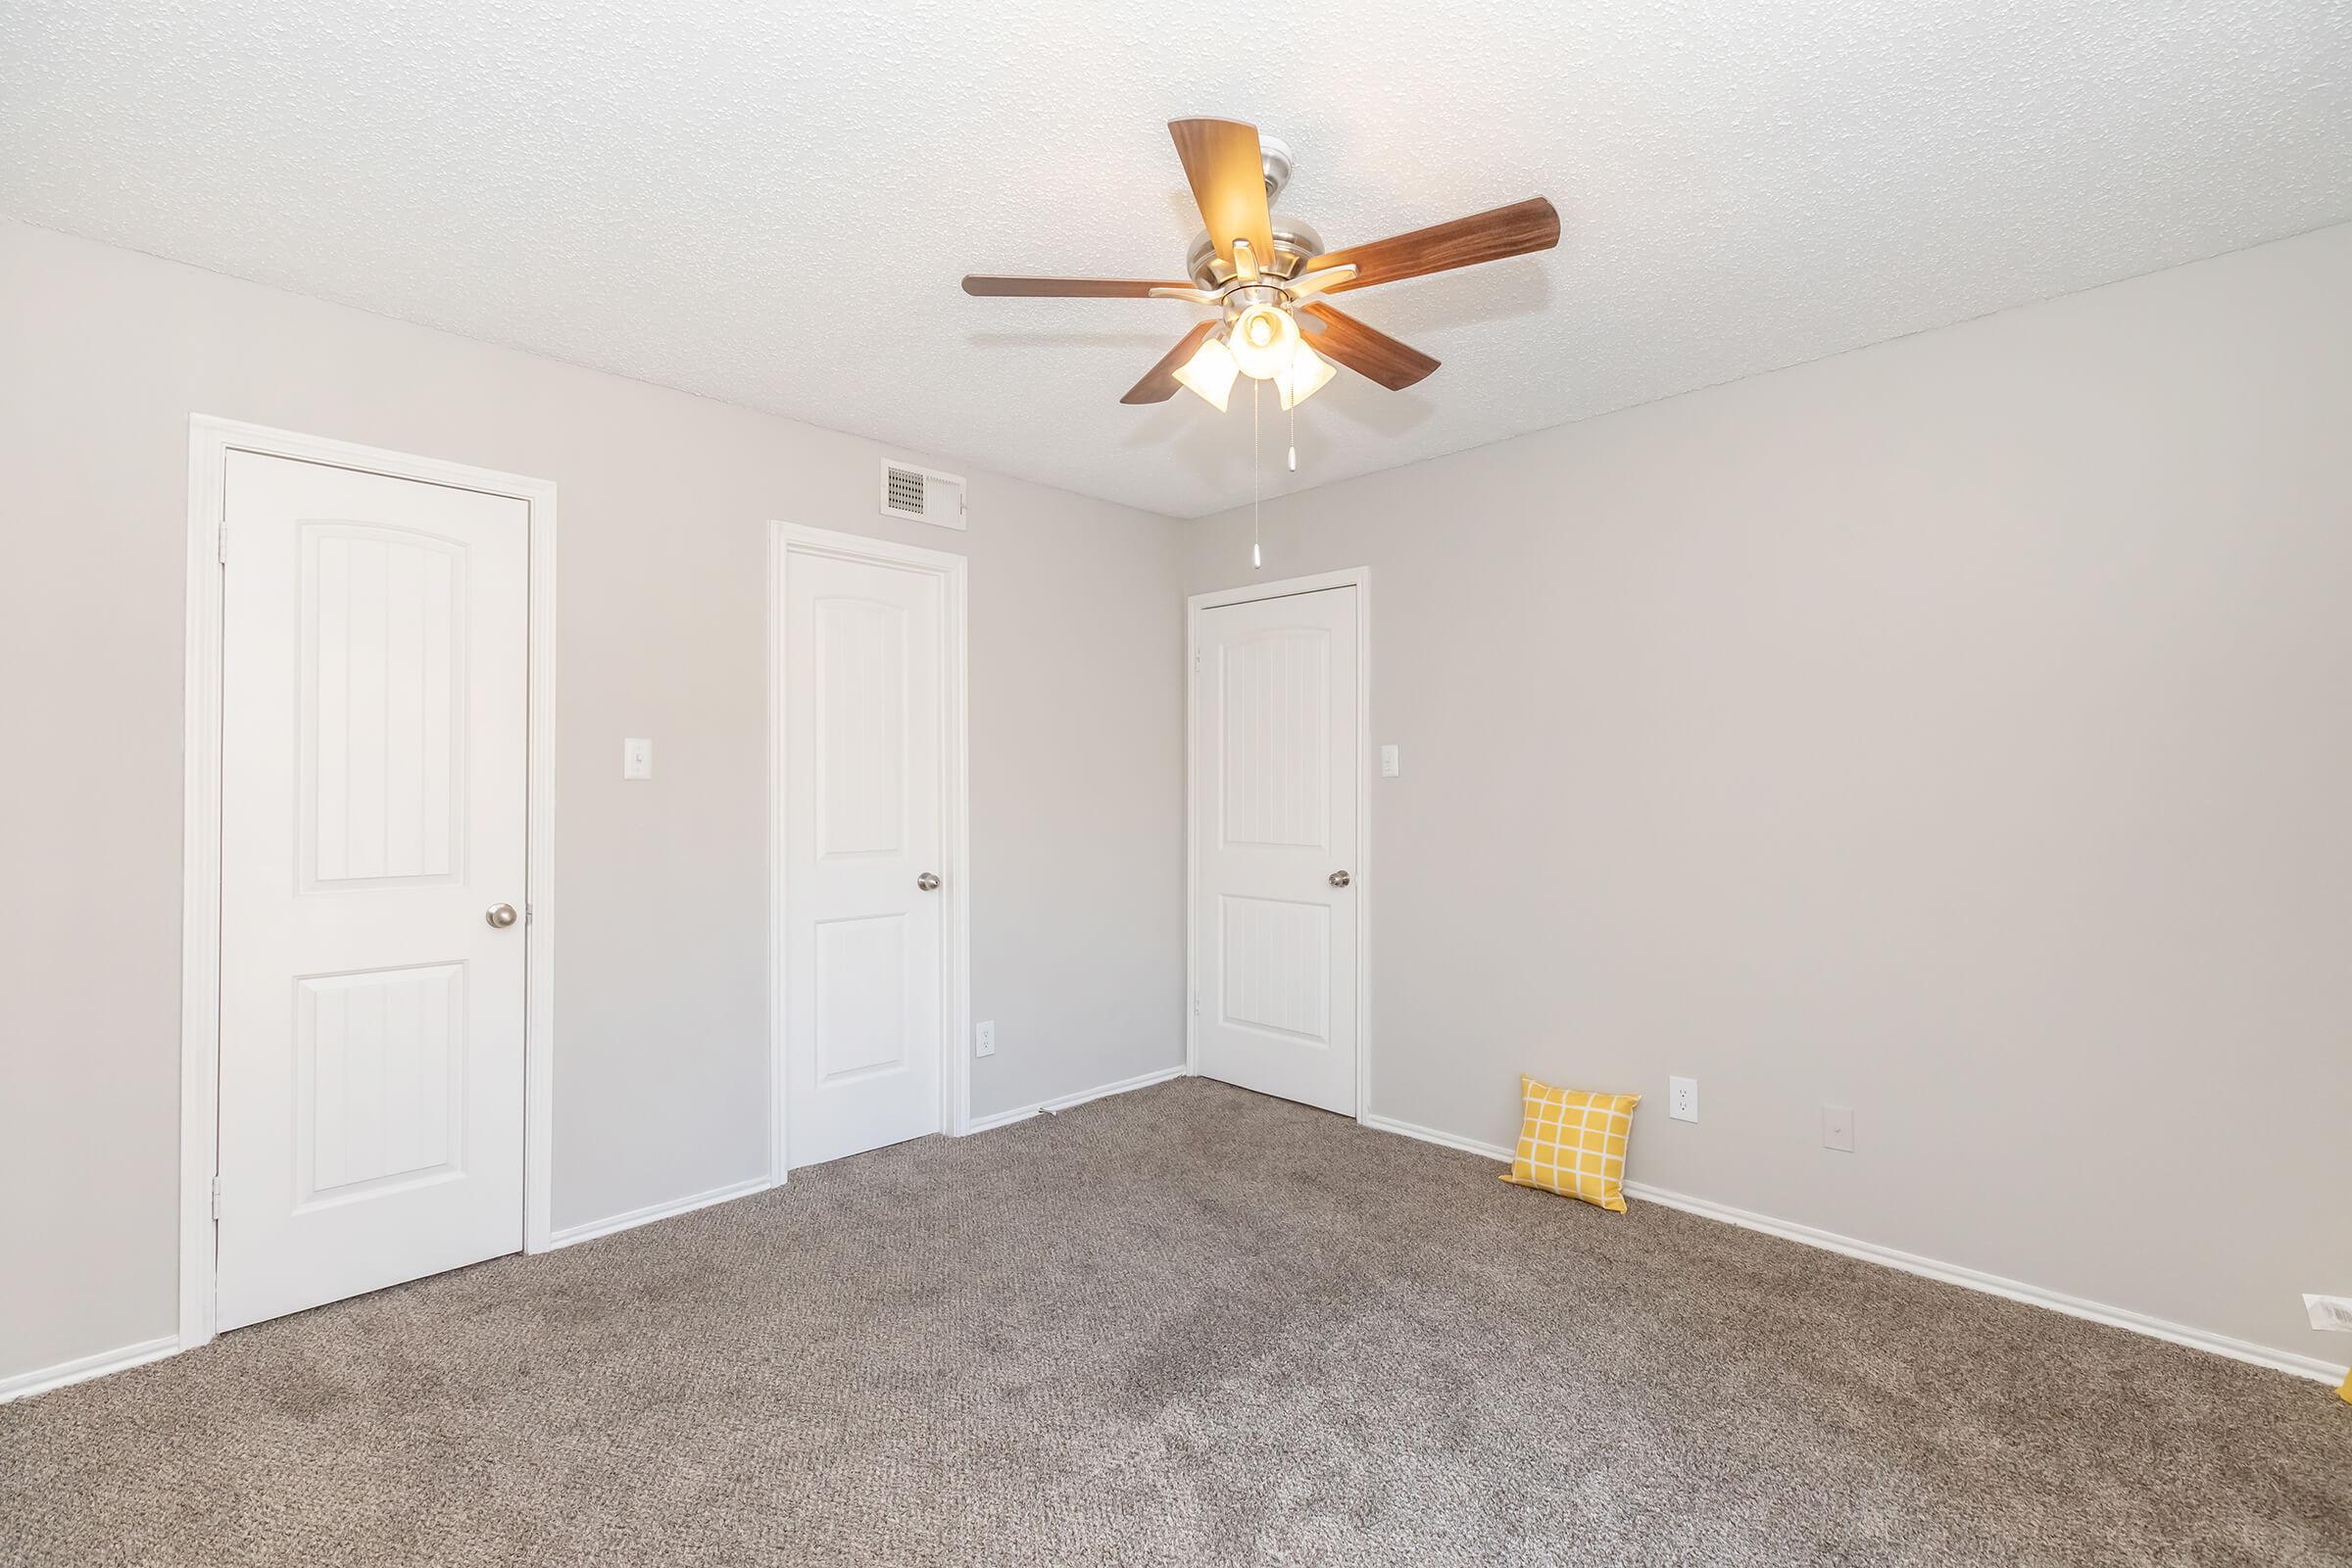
[(1573, 1143)]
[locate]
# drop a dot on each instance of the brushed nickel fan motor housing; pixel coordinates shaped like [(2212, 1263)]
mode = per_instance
[(1294, 240), (1238, 300), (1274, 158)]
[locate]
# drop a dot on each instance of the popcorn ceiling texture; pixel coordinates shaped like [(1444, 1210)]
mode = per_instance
[(772, 204)]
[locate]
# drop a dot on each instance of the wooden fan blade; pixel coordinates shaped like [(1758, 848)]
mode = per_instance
[(1160, 384), (1533, 224), (1365, 350), (1064, 288), (1221, 160)]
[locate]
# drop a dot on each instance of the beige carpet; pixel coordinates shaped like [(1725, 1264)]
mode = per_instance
[(1183, 1325)]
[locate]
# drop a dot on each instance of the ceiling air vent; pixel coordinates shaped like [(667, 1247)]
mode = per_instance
[(922, 495)]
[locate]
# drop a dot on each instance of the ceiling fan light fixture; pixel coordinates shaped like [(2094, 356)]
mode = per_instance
[(1209, 373), (1263, 339), (1305, 375), (1256, 270)]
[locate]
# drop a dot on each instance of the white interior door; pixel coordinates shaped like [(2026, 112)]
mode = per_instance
[(374, 776), (1275, 755), (864, 790)]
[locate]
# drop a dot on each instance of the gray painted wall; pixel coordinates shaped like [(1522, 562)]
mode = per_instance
[(1956, 730), (661, 973)]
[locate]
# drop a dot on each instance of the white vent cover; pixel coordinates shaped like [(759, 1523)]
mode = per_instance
[(922, 495)]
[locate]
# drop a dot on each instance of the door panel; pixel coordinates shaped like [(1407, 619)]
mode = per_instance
[(380, 1079), (1276, 966), (861, 985), (1275, 760), (1274, 756), (372, 809), (860, 649), (863, 821), (383, 686)]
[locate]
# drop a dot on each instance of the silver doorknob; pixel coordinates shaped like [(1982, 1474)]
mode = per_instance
[(500, 916), (1338, 879), (928, 882)]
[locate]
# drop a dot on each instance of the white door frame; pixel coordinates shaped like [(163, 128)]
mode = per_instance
[(209, 442), (1360, 579), (787, 539)]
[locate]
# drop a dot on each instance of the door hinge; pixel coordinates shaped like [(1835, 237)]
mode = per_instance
[(1196, 1003), (221, 544), (216, 1197)]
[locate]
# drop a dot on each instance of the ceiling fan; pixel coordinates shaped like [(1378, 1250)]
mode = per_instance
[(1266, 277)]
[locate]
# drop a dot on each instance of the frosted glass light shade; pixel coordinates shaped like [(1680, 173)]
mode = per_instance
[(1209, 373), (1303, 377), (1263, 336)]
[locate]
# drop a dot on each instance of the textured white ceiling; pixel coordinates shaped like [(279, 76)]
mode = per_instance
[(771, 203)]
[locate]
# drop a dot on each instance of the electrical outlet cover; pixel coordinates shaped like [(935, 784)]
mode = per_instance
[(1837, 1128), (1682, 1098)]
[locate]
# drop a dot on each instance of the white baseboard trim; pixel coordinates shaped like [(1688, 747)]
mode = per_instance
[(1430, 1135), (1005, 1118), (2302, 1367), (40, 1380), (573, 1235)]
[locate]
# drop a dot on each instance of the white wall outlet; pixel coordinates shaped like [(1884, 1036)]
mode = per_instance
[(984, 1038), (1837, 1128), (1388, 761), (1682, 1098), (636, 758), (2330, 1312)]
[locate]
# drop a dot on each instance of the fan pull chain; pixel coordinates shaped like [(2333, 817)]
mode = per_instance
[(1258, 560)]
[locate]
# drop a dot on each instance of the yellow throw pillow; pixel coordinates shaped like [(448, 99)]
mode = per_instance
[(1573, 1143)]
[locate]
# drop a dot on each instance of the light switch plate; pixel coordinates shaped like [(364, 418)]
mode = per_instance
[(1682, 1098), (636, 758), (1837, 1128), (984, 1038), (1388, 761)]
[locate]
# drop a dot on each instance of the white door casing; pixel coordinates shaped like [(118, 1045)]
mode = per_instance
[(869, 660), (1278, 878), (374, 750)]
